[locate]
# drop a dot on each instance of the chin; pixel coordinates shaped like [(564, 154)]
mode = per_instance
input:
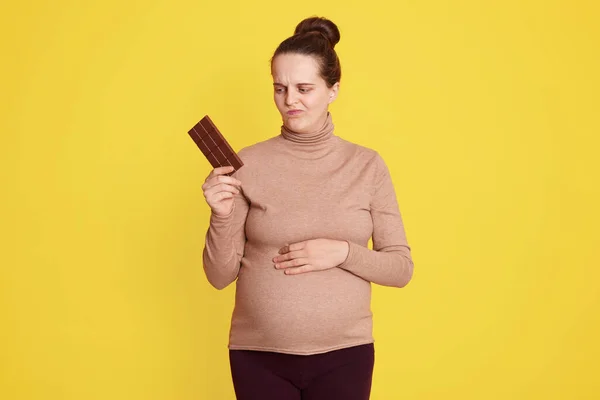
[(296, 124)]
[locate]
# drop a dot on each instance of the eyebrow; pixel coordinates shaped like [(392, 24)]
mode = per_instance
[(298, 84)]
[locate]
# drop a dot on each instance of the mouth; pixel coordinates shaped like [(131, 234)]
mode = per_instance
[(294, 112)]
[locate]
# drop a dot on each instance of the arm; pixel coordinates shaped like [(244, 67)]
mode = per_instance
[(390, 262), (224, 245)]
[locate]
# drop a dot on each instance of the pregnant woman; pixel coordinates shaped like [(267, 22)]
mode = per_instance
[(291, 228)]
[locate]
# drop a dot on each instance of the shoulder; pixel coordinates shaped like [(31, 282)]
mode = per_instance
[(257, 149), (254, 155), (369, 158)]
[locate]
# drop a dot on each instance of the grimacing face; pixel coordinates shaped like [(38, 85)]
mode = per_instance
[(300, 93)]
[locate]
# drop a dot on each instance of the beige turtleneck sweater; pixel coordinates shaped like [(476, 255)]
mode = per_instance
[(297, 187)]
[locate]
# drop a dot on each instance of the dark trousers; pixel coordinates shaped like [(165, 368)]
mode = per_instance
[(344, 374)]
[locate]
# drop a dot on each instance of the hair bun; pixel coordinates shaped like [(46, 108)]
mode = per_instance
[(321, 25)]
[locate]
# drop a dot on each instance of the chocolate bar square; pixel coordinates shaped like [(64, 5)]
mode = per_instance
[(213, 145)]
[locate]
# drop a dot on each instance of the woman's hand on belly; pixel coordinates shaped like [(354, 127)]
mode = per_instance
[(311, 255)]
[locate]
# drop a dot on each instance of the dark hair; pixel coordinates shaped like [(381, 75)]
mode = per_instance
[(317, 37)]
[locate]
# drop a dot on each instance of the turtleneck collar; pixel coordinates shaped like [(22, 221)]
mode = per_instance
[(322, 135)]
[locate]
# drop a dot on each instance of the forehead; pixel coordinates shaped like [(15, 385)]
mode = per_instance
[(293, 68)]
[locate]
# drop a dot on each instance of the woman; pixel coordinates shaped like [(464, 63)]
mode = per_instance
[(292, 226)]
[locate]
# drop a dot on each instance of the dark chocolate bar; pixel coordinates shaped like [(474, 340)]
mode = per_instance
[(213, 145)]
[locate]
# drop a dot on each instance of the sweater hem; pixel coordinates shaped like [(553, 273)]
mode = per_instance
[(299, 352)]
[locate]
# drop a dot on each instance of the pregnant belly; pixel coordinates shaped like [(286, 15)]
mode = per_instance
[(292, 310)]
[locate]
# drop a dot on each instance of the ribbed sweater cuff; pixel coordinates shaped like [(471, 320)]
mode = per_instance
[(221, 220), (353, 255)]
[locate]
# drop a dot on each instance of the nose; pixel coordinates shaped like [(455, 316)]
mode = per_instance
[(290, 98)]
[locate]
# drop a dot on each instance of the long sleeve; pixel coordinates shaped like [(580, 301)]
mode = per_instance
[(390, 262), (224, 244)]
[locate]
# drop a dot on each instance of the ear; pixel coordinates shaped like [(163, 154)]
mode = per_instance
[(333, 92)]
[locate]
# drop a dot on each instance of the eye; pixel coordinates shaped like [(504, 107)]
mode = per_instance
[(304, 90)]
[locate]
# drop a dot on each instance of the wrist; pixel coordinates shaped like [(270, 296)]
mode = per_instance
[(222, 216), (345, 246)]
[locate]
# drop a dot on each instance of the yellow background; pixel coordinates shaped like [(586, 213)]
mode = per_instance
[(486, 113)]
